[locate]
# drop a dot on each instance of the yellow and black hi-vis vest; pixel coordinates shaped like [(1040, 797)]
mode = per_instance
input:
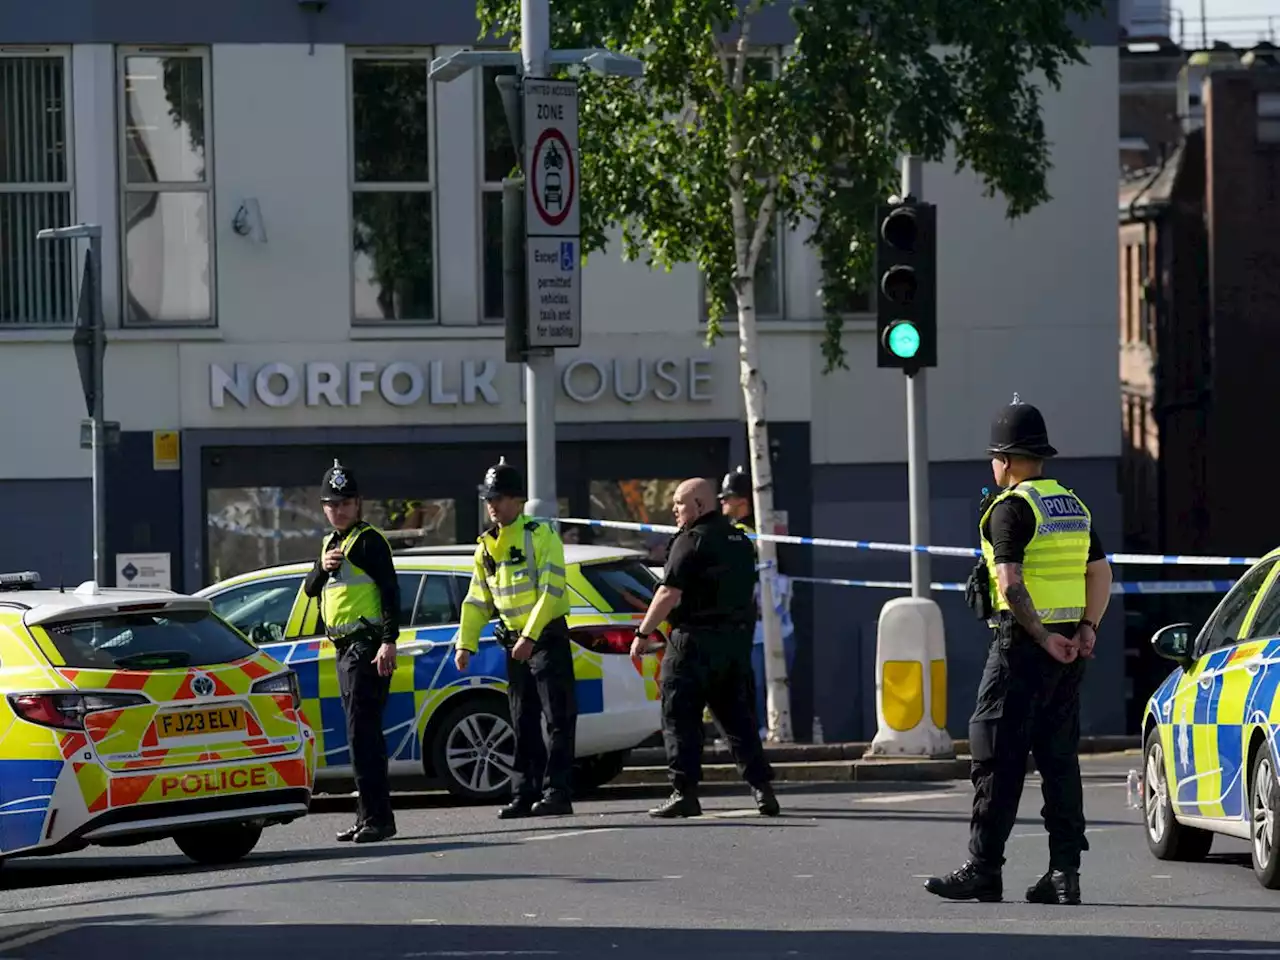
[(1054, 562), (518, 573), (350, 601)]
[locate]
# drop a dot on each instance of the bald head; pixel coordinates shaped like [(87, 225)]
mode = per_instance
[(694, 498)]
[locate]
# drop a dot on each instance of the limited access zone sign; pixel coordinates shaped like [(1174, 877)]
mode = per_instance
[(552, 225)]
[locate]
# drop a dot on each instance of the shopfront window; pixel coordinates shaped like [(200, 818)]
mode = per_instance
[(254, 527), (634, 501)]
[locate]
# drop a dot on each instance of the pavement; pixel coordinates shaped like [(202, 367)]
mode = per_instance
[(838, 875)]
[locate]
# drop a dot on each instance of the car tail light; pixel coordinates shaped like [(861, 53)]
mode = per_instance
[(67, 711), (607, 639), (286, 682)]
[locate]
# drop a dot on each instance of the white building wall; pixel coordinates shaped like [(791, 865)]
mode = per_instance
[(1026, 306)]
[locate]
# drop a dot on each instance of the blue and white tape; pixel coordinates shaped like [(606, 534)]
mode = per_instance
[(968, 552)]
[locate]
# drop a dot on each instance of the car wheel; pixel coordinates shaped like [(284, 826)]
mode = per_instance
[(220, 843), (474, 749), (1262, 809), (1166, 838), (591, 773)]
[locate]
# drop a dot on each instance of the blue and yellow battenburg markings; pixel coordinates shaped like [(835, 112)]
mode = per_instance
[(1205, 725), (415, 692), (26, 788)]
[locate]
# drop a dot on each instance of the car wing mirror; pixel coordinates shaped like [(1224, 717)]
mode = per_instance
[(1174, 643)]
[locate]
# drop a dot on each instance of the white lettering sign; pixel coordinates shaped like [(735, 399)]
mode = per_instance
[(403, 383)]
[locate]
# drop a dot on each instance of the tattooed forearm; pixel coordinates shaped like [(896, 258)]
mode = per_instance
[(1024, 610)]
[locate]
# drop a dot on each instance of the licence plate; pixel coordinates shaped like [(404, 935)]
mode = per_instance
[(195, 723)]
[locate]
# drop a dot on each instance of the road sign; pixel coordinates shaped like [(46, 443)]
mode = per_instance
[(554, 271), (551, 158)]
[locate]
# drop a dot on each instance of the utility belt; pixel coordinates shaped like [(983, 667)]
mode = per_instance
[(344, 635), (555, 629)]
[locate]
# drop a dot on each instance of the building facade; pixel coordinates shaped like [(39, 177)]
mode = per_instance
[(302, 262)]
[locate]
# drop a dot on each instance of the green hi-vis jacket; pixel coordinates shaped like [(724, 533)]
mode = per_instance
[(518, 573)]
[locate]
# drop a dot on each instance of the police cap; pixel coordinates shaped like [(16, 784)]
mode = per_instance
[(1019, 430), (339, 483), (501, 480), (735, 484)]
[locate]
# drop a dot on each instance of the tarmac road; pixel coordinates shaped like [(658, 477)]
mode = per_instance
[(840, 874)]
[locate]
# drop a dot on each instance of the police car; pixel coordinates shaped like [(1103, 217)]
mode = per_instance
[(1210, 730), (455, 727), (135, 715)]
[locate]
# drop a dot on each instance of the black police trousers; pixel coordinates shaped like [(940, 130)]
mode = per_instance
[(544, 686), (710, 668), (1027, 701), (364, 697)]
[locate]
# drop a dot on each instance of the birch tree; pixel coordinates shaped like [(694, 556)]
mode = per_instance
[(710, 154)]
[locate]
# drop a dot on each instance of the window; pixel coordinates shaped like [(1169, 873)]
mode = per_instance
[(1266, 622), (392, 195), (435, 606), (259, 610), (1223, 627), (36, 276), (167, 204), (499, 162), (626, 586), (409, 583), (148, 641), (634, 501)]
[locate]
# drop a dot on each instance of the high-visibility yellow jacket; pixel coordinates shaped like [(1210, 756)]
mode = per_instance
[(350, 601), (518, 574)]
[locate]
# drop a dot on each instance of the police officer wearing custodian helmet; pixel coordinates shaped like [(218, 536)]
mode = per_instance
[(1043, 585), (355, 579), (519, 575)]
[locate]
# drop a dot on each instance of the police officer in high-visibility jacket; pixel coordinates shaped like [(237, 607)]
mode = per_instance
[(355, 579), (519, 575), (1043, 585)]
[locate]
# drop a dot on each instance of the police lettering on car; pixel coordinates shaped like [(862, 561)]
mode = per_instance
[(519, 574), (355, 579), (1043, 584), (707, 595)]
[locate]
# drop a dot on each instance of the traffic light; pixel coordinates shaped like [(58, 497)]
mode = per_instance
[(906, 285)]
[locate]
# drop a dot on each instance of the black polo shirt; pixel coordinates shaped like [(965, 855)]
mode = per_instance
[(713, 565)]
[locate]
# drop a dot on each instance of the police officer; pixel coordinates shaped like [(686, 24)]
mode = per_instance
[(355, 579), (1047, 586), (519, 575), (735, 500), (706, 594)]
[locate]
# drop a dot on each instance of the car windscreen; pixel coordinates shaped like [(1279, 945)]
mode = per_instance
[(152, 640), (627, 586)]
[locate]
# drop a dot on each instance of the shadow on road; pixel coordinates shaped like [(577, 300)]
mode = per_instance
[(138, 937)]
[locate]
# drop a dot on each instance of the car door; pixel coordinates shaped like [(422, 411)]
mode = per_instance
[(1208, 706), (428, 626)]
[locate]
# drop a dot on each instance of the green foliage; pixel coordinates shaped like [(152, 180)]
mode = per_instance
[(819, 137)]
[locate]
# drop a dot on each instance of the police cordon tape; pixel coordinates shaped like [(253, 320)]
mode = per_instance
[(968, 552)]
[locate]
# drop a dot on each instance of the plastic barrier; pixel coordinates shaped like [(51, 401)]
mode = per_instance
[(911, 681)]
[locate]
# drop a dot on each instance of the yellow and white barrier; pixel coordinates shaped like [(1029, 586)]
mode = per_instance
[(911, 681)]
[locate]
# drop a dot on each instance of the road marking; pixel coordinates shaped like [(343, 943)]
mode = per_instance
[(674, 876), (356, 863), (908, 797), (730, 814), (804, 876), (35, 936), (1162, 876), (1092, 830), (432, 920), (569, 920), (569, 833)]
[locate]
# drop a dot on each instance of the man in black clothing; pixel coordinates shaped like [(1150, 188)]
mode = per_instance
[(706, 594), (355, 579), (1046, 579)]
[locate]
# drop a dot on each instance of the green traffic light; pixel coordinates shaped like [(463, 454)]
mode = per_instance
[(903, 339)]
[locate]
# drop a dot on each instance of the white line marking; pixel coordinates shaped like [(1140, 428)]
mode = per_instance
[(674, 876), (1092, 830), (356, 863), (432, 920), (731, 814), (804, 876), (1161, 876), (569, 833), (570, 920), (922, 876), (907, 797)]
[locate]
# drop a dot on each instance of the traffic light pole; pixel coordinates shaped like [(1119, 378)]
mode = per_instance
[(917, 429)]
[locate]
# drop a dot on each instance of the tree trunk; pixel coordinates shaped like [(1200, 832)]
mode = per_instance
[(777, 689)]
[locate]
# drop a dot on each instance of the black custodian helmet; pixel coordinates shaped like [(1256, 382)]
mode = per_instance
[(736, 484), (501, 480), (1019, 430), (339, 483)]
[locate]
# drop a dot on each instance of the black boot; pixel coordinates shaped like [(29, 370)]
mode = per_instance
[(519, 807), (970, 882), (349, 834), (553, 805), (1056, 886), (376, 832), (678, 805), (766, 800)]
